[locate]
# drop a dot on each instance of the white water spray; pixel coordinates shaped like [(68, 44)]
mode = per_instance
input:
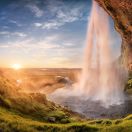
[(100, 80)]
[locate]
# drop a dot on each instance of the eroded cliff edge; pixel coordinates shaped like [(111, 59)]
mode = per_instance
[(121, 12)]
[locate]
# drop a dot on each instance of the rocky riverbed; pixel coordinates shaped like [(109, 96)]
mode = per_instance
[(94, 109)]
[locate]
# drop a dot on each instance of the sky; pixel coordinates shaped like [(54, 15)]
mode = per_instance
[(46, 33)]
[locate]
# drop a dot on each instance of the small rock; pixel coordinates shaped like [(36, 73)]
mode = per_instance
[(66, 116), (118, 121), (99, 121), (51, 119)]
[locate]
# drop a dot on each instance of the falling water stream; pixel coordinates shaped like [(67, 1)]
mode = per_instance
[(102, 80)]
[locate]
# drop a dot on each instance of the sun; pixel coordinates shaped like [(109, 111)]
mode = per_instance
[(16, 66)]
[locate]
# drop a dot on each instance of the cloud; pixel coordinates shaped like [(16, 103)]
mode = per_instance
[(38, 24), (60, 59), (31, 43), (35, 9), (53, 24), (51, 49), (15, 22), (61, 19), (4, 33), (5, 27), (49, 43), (61, 14), (19, 34)]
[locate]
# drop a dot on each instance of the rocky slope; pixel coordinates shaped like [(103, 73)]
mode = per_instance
[(121, 12)]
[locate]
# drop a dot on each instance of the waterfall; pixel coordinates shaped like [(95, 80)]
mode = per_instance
[(100, 78)]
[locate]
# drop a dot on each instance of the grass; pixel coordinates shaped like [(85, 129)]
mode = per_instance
[(28, 116), (33, 106), (12, 122), (22, 112), (35, 109)]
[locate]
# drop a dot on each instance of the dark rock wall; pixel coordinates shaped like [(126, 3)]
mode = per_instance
[(121, 12)]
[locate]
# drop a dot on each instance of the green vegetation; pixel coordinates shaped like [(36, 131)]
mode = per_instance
[(24, 112), (37, 107), (13, 122), (128, 87)]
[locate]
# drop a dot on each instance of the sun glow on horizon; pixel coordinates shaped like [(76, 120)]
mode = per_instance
[(16, 66)]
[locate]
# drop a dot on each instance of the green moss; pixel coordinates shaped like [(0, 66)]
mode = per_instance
[(13, 122), (128, 87), (118, 121), (128, 117), (109, 7)]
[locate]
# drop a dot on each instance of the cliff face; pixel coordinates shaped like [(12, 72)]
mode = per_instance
[(121, 12)]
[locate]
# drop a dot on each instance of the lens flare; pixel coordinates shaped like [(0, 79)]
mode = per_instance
[(16, 66)]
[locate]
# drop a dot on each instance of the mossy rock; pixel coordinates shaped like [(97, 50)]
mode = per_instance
[(106, 122), (128, 117), (118, 121)]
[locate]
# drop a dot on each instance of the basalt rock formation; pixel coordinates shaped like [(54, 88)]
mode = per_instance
[(121, 12)]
